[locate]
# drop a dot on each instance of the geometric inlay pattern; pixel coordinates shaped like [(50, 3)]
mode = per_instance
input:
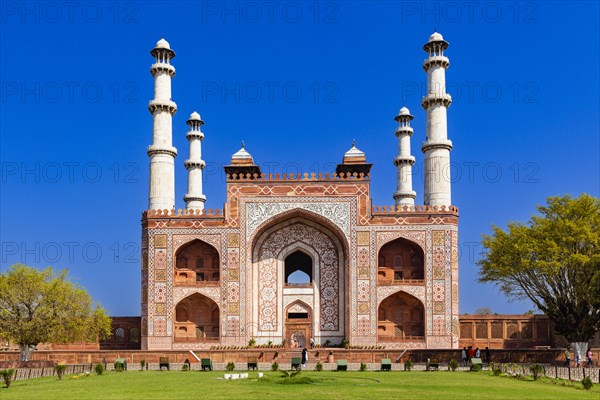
[(336, 212)]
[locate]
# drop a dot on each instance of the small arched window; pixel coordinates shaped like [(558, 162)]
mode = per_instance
[(298, 269), (119, 335), (134, 335)]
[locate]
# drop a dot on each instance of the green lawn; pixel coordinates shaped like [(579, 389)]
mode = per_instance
[(412, 385)]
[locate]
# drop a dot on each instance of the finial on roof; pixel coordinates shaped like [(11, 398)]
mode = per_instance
[(353, 142), (243, 144)]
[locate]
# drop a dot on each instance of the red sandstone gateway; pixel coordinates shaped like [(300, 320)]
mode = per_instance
[(298, 258)]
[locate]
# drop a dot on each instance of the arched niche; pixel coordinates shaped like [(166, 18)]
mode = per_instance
[(400, 317), (400, 260), (197, 319), (197, 263)]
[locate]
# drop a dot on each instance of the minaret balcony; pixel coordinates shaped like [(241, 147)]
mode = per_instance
[(194, 135), (405, 195), (436, 144), (162, 67), (435, 99), (404, 130), (189, 197), (441, 61), (404, 160), (162, 105), (192, 164), (156, 149)]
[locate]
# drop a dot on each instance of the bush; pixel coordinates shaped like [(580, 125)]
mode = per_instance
[(496, 370), (453, 365), (60, 370), (7, 376), (119, 366), (274, 366), (536, 371), (142, 364), (230, 366), (319, 367), (99, 368), (475, 368), (363, 366), (186, 367), (251, 343), (408, 364), (586, 382)]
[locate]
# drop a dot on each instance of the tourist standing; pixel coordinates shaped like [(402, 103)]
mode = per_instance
[(477, 353), (567, 358), (589, 358), (471, 352), (312, 343), (304, 357), (463, 355), (488, 355)]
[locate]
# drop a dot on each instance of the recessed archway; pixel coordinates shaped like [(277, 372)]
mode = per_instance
[(400, 260), (315, 249), (197, 319), (400, 317), (298, 325), (197, 263)]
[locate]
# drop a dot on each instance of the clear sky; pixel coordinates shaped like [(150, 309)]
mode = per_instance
[(297, 81)]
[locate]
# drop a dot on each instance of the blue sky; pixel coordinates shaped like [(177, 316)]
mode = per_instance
[(297, 81)]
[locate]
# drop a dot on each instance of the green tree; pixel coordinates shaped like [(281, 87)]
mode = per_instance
[(483, 311), (44, 307), (554, 261)]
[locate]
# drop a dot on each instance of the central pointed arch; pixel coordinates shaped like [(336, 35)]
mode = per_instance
[(283, 236)]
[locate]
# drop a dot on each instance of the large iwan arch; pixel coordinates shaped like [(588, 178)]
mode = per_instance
[(305, 239)]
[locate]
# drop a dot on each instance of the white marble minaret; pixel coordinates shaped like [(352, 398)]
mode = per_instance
[(161, 151), (405, 195), (194, 199), (437, 146)]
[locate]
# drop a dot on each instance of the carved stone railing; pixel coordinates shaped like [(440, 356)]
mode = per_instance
[(419, 209), (305, 177), (206, 213)]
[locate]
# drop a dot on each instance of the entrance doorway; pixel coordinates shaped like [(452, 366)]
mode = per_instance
[(298, 324)]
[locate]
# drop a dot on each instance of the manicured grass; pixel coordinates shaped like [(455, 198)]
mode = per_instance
[(146, 385)]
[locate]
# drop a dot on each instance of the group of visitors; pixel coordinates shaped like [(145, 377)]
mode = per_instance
[(588, 356), (468, 353)]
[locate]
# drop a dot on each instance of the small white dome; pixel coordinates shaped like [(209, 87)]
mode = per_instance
[(404, 111), (436, 37), (354, 152), (163, 44), (195, 116), (241, 154)]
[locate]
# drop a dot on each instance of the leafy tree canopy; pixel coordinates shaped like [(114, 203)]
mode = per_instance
[(554, 261), (44, 307)]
